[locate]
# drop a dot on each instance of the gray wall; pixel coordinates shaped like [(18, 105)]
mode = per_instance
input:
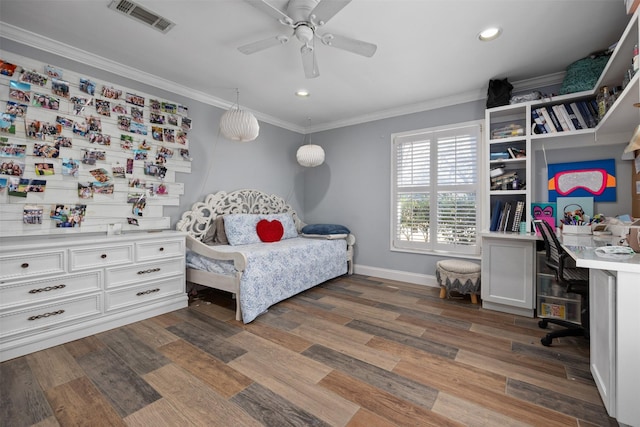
[(588, 151), (267, 164), (353, 186)]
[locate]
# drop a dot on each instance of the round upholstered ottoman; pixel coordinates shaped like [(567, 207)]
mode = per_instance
[(460, 276)]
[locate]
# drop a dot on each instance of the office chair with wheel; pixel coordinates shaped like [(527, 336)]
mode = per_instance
[(574, 279)]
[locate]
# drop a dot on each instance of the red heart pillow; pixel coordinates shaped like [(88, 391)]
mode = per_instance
[(269, 231)]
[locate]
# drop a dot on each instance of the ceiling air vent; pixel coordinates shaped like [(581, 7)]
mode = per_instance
[(141, 14)]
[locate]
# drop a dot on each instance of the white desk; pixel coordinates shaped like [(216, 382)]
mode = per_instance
[(509, 272), (614, 306)]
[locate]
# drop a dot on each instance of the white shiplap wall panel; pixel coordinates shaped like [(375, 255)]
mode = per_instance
[(102, 209)]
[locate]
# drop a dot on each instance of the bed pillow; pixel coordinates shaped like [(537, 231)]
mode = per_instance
[(286, 219), (241, 228), (221, 236), (269, 231), (209, 236), (324, 229)]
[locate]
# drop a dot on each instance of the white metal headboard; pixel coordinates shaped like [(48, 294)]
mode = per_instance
[(197, 220)]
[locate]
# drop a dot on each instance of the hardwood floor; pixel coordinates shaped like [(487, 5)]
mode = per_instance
[(356, 351)]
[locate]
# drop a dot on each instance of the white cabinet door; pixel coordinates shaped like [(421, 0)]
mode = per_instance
[(507, 282), (602, 328)]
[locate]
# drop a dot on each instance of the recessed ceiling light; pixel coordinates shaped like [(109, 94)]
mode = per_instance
[(303, 93), (489, 34)]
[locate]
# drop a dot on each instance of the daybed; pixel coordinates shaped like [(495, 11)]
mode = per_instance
[(259, 274)]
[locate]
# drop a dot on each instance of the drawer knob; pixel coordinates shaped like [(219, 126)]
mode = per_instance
[(103, 256), (161, 249), (25, 265), (41, 316), (47, 289), (147, 292), (151, 270)]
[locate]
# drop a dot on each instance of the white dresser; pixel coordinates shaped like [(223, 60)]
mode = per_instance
[(58, 289)]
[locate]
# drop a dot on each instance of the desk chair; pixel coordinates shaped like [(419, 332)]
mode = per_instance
[(574, 279)]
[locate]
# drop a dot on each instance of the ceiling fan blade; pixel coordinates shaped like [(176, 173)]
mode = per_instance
[(347, 43), (254, 47), (309, 62), (272, 11), (326, 10)]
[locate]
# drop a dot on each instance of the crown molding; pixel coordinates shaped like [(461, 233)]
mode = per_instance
[(28, 38), (420, 107), (447, 101)]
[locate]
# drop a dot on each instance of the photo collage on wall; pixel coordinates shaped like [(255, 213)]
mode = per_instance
[(57, 126)]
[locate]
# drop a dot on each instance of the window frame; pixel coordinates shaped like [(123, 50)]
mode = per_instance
[(431, 246)]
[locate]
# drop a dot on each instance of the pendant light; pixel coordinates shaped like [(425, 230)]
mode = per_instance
[(239, 125), (310, 155)]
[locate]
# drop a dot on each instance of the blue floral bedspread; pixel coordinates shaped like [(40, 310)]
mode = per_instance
[(279, 270)]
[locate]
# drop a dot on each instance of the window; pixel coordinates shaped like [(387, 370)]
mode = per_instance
[(435, 189)]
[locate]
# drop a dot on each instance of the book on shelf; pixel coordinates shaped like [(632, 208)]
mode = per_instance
[(538, 119), (505, 217), (586, 114), (557, 110), (517, 216), (578, 115), (554, 119), (516, 153), (495, 216), (567, 117), (592, 105), (547, 118)]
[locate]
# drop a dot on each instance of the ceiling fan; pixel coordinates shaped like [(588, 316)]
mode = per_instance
[(305, 17)]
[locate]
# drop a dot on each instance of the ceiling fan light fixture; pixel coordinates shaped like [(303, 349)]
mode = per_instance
[(303, 93), (304, 33), (489, 34)]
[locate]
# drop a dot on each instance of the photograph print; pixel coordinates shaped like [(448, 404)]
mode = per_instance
[(20, 91), (53, 72), (60, 88), (68, 216), (70, 167), (7, 68), (11, 167), (44, 169), (111, 92), (33, 77), (7, 123), (103, 107), (32, 214), (45, 101), (134, 99), (87, 86), (12, 150), (16, 109), (79, 104), (85, 190)]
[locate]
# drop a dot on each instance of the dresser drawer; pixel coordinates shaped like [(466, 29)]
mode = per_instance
[(120, 276), (31, 264), (151, 251), (35, 291), (141, 294), (83, 258), (46, 316)]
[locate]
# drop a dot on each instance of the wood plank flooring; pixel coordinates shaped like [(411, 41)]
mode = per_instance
[(355, 351)]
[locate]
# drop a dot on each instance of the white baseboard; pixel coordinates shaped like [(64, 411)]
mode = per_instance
[(401, 276)]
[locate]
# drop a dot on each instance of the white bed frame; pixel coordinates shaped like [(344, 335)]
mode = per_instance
[(197, 221)]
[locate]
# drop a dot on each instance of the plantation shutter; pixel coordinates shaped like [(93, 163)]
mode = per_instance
[(439, 169)]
